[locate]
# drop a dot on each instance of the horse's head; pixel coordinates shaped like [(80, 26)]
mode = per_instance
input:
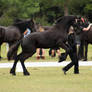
[(31, 25), (23, 24)]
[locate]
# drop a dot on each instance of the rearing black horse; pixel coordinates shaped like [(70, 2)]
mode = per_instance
[(13, 33), (53, 38)]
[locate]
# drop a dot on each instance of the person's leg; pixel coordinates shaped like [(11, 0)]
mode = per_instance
[(58, 52), (38, 53), (52, 52), (43, 54), (67, 67), (74, 62)]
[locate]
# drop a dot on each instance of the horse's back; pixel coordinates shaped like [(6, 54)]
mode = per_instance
[(12, 33), (46, 39)]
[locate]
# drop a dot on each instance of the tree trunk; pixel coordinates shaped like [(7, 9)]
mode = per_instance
[(66, 3)]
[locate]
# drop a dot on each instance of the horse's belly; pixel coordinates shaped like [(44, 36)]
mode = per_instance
[(46, 45)]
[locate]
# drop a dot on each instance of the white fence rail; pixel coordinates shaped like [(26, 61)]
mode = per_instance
[(45, 64)]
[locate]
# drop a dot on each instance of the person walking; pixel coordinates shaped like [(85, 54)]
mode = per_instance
[(72, 55)]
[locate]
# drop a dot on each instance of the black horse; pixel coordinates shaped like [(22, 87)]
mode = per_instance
[(13, 33), (86, 38), (53, 38)]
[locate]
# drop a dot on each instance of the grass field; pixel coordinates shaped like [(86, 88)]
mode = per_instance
[(47, 80)]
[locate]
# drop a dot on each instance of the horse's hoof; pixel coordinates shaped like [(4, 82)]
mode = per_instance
[(64, 71), (1, 57), (84, 59), (12, 72), (76, 73), (26, 73)]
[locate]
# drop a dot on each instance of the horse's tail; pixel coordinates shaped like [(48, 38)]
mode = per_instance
[(12, 49)]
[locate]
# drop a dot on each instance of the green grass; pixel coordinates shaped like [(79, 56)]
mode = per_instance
[(47, 80)]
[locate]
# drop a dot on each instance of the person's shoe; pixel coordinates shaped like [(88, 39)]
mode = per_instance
[(64, 71), (43, 57), (38, 57)]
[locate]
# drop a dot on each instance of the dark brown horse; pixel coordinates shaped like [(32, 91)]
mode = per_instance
[(86, 38), (53, 38), (13, 33)]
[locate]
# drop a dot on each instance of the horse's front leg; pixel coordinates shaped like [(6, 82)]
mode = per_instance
[(12, 71)]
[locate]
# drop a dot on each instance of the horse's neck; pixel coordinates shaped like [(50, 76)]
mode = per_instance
[(65, 27), (21, 28)]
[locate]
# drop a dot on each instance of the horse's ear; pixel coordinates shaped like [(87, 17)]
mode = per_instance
[(32, 20), (17, 20)]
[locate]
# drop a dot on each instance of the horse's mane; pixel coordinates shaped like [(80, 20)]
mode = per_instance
[(17, 20), (59, 20), (21, 24), (62, 19)]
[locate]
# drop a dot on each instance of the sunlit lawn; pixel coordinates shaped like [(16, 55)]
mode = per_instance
[(47, 80)]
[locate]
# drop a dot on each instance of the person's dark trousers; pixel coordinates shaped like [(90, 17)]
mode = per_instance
[(74, 62), (40, 52)]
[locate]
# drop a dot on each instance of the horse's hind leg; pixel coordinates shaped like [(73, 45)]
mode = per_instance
[(0, 52), (12, 71), (23, 57)]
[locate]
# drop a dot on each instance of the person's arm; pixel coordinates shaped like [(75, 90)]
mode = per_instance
[(86, 29), (25, 32)]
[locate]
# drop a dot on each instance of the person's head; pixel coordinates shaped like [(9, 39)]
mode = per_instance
[(41, 29)]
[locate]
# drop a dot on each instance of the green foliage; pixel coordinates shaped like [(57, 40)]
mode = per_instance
[(88, 11), (5, 20), (46, 11)]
